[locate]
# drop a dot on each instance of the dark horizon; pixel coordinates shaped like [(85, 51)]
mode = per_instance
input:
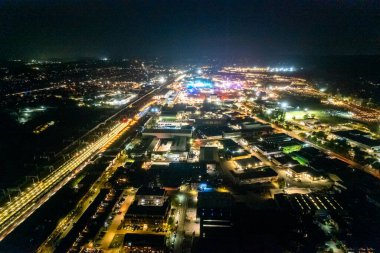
[(250, 29)]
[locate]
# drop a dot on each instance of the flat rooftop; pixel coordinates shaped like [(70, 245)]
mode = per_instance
[(230, 144), (248, 162), (155, 191), (281, 140), (212, 130), (262, 172), (285, 160), (146, 211), (167, 130), (176, 173), (277, 137), (238, 153), (309, 153), (358, 136), (212, 200), (267, 147), (307, 203), (144, 240)]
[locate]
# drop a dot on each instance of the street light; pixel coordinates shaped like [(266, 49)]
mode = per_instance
[(161, 79), (181, 198), (284, 105)]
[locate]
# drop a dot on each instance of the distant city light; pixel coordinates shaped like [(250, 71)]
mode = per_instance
[(284, 104), (161, 79), (156, 125), (200, 83), (291, 69)]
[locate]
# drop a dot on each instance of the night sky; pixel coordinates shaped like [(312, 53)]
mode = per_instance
[(183, 28)]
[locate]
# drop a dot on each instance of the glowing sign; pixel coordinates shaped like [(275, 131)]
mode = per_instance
[(200, 83)]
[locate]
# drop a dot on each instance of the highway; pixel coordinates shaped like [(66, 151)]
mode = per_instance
[(15, 211), (67, 223), (22, 206)]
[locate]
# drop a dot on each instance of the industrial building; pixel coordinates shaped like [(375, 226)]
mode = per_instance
[(215, 213)]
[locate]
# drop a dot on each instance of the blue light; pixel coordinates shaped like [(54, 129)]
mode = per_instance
[(200, 83), (202, 186)]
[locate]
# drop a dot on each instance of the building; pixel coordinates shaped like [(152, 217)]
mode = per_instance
[(248, 163), (256, 130), (175, 174), (143, 149), (231, 133), (209, 154), (147, 217), (146, 196), (168, 115), (280, 142), (284, 160), (304, 172), (211, 121), (314, 203), (253, 176), (144, 243), (211, 132), (149, 210), (360, 139), (175, 144), (215, 213), (234, 150), (267, 149), (307, 155), (166, 133), (245, 123)]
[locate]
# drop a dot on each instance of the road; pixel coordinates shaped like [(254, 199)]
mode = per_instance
[(325, 150), (67, 223), (22, 206), (37, 90), (180, 218), (16, 210), (112, 230)]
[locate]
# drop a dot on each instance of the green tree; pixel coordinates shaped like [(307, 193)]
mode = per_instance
[(359, 155), (320, 135)]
